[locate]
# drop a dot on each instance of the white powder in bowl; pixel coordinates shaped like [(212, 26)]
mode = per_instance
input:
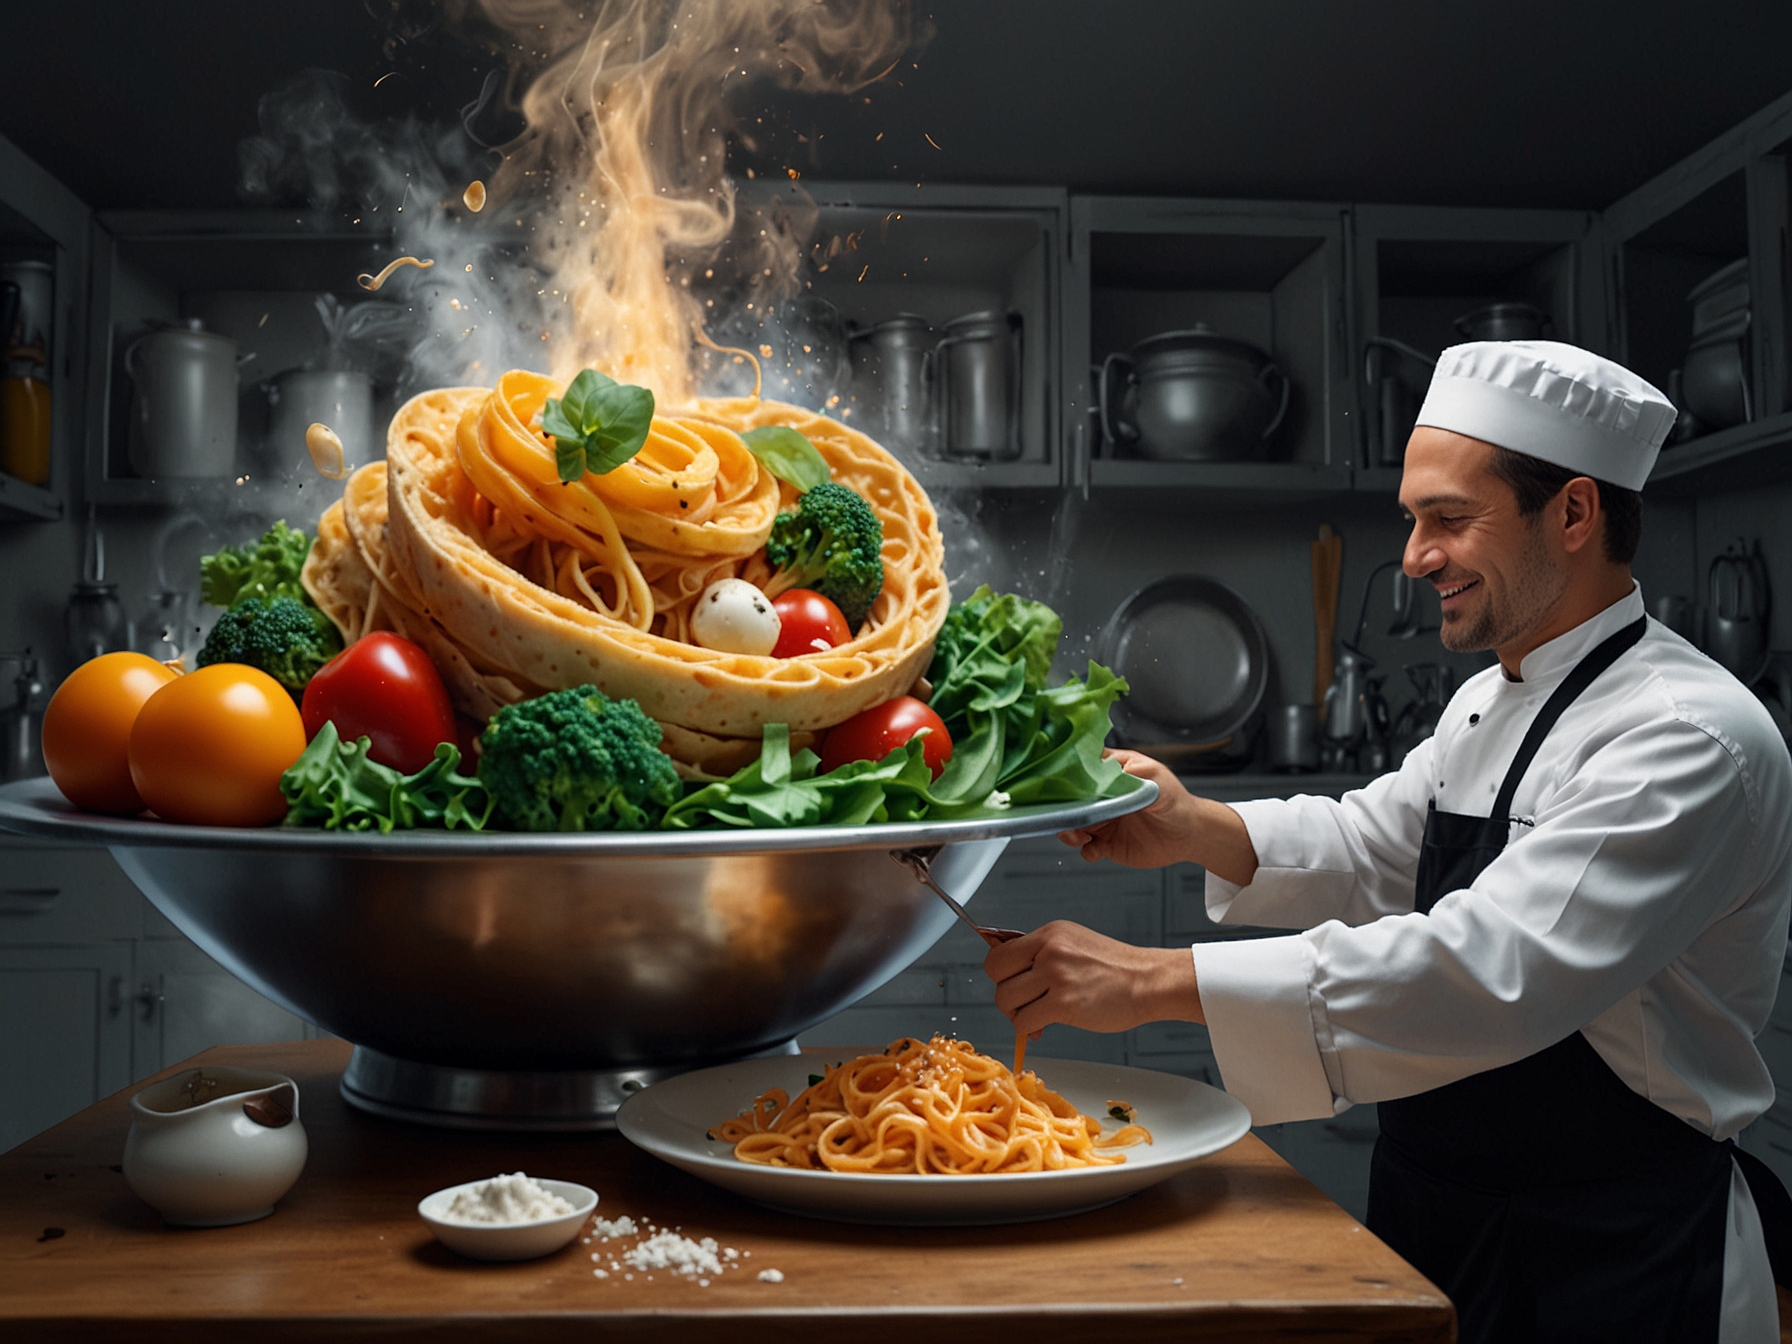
[(506, 1199)]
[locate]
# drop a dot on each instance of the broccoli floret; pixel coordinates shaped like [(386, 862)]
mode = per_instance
[(268, 569), (286, 639), (576, 760), (833, 544)]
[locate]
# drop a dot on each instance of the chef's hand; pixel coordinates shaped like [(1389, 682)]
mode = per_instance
[(1177, 827), (1066, 973)]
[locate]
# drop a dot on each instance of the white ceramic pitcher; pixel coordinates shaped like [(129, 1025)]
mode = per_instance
[(215, 1146)]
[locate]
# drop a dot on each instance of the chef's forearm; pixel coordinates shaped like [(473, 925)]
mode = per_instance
[(1220, 843)]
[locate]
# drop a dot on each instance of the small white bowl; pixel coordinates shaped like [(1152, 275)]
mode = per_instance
[(509, 1241)]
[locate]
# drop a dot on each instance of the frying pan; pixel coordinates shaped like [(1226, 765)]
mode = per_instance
[(1196, 657)]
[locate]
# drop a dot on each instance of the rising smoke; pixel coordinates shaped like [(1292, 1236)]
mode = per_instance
[(614, 237)]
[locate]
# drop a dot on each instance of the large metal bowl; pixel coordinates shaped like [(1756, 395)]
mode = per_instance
[(537, 980)]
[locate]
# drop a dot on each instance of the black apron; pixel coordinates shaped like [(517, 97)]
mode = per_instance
[(1549, 1200)]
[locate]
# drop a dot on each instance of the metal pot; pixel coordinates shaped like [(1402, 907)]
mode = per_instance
[(1397, 398), (1193, 396), (300, 398), (1738, 611), (1506, 321), (1714, 380), (184, 412), (975, 380), (889, 378)]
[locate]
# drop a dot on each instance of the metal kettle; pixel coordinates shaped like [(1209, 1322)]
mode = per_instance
[(1737, 611)]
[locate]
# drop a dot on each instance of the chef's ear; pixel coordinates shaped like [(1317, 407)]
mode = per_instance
[(1583, 521)]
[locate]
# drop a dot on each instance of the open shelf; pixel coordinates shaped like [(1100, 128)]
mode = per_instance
[(1267, 274), (22, 500), (1239, 482), (1755, 454), (1419, 271)]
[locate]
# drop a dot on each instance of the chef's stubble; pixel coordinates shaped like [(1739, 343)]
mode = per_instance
[(1532, 588)]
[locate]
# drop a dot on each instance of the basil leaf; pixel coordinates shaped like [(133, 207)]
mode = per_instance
[(788, 456), (598, 425)]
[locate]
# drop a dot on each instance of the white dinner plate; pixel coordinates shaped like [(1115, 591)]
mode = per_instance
[(1188, 1121)]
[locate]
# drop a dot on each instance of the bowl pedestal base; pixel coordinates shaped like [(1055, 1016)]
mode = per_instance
[(449, 1097)]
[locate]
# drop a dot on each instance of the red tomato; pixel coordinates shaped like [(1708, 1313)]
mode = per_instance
[(208, 749), (383, 687), (810, 623), (875, 733)]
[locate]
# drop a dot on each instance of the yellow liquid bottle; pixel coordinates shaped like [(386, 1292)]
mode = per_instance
[(25, 429)]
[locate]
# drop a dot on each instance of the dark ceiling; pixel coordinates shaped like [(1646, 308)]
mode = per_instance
[(138, 103)]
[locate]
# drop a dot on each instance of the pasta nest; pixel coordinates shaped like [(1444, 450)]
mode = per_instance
[(466, 541)]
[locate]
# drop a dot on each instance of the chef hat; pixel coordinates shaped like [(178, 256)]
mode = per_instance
[(1552, 401)]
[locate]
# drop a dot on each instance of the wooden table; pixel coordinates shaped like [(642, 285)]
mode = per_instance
[(1241, 1247)]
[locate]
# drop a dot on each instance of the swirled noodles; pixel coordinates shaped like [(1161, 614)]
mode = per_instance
[(937, 1107), (466, 540)]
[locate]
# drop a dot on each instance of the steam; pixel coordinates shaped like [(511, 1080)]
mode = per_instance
[(613, 238), (629, 123)]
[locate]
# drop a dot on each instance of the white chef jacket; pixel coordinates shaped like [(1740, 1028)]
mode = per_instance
[(1641, 899)]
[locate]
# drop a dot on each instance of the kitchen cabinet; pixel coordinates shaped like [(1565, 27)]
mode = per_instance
[(944, 252), (1266, 273), (1726, 204), (1416, 270), (251, 275), (67, 1041), (97, 988), (41, 220)]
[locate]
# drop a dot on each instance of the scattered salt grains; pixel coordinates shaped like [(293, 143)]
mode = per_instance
[(771, 1276), (681, 1255), (605, 1228), (601, 1273)]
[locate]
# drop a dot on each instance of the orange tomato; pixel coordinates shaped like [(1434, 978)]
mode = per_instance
[(87, 730), (208, 749)]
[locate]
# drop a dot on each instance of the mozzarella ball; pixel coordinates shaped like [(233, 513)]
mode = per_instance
[(732, 616)]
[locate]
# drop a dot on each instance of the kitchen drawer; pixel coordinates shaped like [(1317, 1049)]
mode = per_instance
[(67, 1037), (52, 896)]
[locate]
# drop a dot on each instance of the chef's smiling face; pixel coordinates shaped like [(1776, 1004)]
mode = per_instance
[(1496, 572)]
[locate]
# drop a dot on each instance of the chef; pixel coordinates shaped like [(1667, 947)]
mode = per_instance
[(1545, 943)]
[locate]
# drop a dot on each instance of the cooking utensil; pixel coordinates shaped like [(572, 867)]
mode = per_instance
[(21, 722), (1196, 657), (94, 620), (507, 980), (1715, 377), (1294, 738), (1504, 321), (918, 862), (1328, 571), (1193, 396), (889, 378), (1418, 718), (1397, 398), (1346, 701), (975, 373), (1719, 297), (1738, 607), (300, 398), (184, 416), (1675, 612), (1188, 1120)]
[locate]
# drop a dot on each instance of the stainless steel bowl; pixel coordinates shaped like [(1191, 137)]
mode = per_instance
[(534, 981)]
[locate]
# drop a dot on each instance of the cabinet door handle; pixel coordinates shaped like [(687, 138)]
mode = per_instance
[(115, 996), (149, 999), (28, 900)]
